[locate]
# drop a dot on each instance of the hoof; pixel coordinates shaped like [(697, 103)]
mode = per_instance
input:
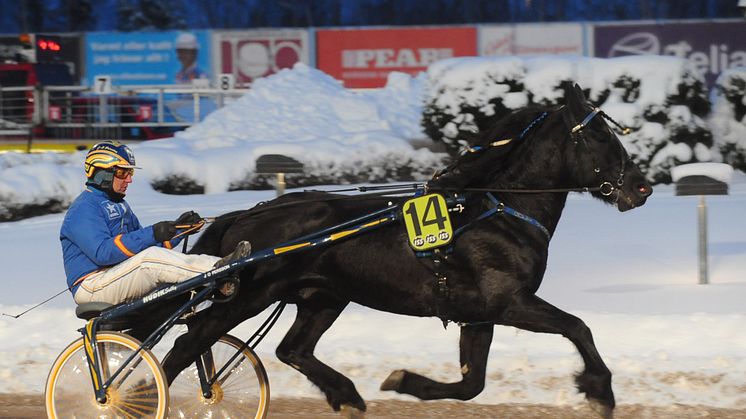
[(603, 411), (350, 412), (393, 381)]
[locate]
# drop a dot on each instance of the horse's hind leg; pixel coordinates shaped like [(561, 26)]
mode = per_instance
[(474, 347), (312, 320), (207, 328), (530, 312)]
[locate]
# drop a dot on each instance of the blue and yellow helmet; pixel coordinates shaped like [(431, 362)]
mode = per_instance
[(108, 155)]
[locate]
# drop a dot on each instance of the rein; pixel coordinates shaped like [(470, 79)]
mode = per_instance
[(601, 189), (606, 188)]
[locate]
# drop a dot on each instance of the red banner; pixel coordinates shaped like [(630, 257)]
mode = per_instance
[(365, 57)]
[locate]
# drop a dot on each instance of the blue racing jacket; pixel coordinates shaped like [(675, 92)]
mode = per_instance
[(98, 232)]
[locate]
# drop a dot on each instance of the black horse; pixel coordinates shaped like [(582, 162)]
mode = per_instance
[(489, 275)]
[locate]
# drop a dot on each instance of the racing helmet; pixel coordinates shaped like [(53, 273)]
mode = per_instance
[(108, 155), (102, 162)]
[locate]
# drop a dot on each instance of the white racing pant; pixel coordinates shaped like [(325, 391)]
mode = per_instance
[(140, 274)]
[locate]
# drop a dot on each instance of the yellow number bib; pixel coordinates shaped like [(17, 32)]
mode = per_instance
[(427, 221)]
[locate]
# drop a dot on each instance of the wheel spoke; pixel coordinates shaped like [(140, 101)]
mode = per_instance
[(140, 390), (238, 392)]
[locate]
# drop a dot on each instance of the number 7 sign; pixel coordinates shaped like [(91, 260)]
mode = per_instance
[(102, 85)]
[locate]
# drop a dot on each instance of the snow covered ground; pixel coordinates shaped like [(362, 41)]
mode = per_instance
[(631, 277)]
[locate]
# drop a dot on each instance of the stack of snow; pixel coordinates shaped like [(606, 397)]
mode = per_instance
[(339, 135), (35, 184), (662, 99)]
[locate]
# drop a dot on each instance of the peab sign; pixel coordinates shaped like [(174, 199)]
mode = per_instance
[(711, 46), (365, 57)]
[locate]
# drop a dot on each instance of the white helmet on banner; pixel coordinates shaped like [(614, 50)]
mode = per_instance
[(186, 41)]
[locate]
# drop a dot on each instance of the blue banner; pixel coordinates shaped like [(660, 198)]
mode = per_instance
[(146, 58)]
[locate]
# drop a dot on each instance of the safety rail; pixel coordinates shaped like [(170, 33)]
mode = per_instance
[(123, 112), (17, 111)]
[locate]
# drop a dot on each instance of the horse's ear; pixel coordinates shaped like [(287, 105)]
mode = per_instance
[(579, 93), (575, 98)]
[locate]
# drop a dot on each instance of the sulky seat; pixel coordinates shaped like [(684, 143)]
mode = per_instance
[(87, 311)]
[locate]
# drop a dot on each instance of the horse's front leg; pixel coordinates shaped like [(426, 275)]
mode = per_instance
[(529, 312), (474, 345)]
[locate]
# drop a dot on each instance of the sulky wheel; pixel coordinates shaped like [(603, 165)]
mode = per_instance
[(139, 391), (242, 390)]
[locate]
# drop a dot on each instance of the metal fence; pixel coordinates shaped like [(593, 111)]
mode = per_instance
[(17, 108), (127, 112)]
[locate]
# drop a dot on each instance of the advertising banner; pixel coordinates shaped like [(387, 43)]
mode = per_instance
[(248, 55), (711, 46), (531, 39), (364, 57), (148, 58)]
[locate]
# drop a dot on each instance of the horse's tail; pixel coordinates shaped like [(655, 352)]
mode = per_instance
[(209, 242)]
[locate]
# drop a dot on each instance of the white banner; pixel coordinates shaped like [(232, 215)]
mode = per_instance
[(251, 54), (531, 39)]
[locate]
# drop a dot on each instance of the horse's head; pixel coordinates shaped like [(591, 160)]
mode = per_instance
[(599, 157)]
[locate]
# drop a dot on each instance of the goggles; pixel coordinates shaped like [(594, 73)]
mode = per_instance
[(123, 173)]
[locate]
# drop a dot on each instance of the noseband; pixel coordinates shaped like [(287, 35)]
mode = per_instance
[(606, 188)]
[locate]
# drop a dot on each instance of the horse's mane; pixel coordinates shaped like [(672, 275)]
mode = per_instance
[(489, 149)]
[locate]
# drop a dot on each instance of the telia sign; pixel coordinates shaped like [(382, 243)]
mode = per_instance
[(711, 46)]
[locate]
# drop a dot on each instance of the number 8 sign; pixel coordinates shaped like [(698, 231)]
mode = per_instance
[(427, 222)]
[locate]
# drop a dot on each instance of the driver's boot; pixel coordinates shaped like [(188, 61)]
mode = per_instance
[(230, 287)]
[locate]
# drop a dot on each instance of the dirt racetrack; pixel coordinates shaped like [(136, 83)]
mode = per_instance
[(32, 406)]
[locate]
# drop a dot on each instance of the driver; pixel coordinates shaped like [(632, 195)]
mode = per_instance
[(108, 256)]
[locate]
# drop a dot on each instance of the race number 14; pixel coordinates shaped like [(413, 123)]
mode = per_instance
[(427, 222)]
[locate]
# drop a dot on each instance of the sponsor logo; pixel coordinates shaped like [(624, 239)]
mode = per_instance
[(638, 43), (256, 59), (159, 293), (713, 59), (393, 58), (112, 210)]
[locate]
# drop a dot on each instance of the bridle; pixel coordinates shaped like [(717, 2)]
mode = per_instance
[(606, 188)]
